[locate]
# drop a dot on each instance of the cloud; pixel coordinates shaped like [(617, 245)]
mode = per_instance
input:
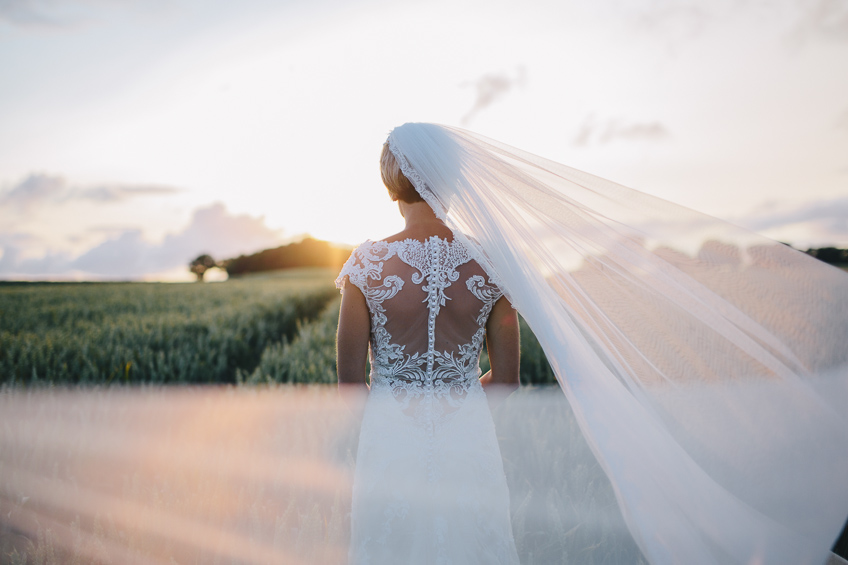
[(678, 21), (33, 190), (673, 20), (118, 193), (40, 189), (842, 121), (70, 14), (828, 217), (492, 87), (14, 260), (215, 231), (38, 13), (128, 255), (822, 18), (616, 129)]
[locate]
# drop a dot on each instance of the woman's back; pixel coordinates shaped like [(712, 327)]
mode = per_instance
[(429, 484), (429, 302)]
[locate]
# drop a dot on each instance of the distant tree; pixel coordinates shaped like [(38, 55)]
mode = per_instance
[(832, 255), (200, 265), (308, 252)]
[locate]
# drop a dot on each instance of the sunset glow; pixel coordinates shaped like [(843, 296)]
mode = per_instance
[(137, 136)]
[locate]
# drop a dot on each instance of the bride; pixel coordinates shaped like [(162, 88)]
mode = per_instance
[(429, 484), (705, 365)]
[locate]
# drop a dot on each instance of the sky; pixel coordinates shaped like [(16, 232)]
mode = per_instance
[(137, 134)]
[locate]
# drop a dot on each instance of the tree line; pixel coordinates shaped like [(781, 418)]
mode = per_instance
[(311, 252), (307, 252), (832, 255)]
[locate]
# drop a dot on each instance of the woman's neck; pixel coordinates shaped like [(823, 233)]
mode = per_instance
[(421, 222), (418, 215)]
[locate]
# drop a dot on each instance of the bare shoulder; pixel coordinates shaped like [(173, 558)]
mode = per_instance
[(420, 234), (400, 236)]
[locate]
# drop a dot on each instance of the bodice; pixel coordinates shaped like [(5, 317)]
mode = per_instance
[(429, 302)]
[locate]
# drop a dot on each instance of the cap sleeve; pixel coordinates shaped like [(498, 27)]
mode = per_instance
[(354, 269)]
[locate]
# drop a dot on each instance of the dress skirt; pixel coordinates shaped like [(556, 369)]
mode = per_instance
[(429, 486)]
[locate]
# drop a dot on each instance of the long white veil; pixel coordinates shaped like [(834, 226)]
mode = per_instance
[(707, 365)]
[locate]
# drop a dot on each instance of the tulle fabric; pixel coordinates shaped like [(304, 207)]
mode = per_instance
[(433, 493), (707, 366)]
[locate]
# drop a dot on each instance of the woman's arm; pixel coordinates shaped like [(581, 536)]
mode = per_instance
[(352, 346), (503, 344)]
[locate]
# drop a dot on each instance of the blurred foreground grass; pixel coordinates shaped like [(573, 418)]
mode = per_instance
[(256, 475)]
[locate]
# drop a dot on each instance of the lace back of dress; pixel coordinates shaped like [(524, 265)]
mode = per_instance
[(429, 303), (429, 484)]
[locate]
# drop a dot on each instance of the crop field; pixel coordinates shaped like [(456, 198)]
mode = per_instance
[(276, 327), (105, 333)]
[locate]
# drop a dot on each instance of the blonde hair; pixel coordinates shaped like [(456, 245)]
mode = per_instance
[(398, 185)]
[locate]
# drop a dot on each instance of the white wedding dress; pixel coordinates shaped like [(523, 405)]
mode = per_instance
[(429, 485)]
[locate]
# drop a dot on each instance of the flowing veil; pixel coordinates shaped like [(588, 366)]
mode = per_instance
[(707, 366)]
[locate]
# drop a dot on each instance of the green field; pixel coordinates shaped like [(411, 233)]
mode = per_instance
[(102, 333), (276, 327)]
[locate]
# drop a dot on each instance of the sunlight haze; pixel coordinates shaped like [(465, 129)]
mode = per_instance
[(137, 135)]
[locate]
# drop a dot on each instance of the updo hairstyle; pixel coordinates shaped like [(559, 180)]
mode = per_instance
[(400, 188)]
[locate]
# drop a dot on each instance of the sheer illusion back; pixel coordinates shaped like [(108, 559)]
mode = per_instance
[(429, 303), (429, 485)]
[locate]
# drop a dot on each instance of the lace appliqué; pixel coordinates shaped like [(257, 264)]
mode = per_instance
[(466, 362), (440, 374)]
